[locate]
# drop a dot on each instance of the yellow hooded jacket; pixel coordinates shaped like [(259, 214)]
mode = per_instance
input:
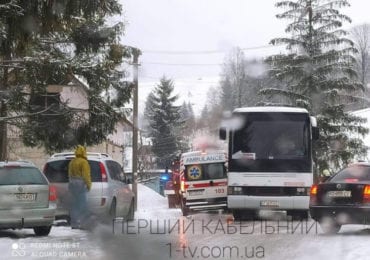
[(79, 167)]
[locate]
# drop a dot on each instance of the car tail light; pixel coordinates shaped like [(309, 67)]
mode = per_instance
[(313, 191), (52, 193), (366, 194), (103, 172), (313, 194)]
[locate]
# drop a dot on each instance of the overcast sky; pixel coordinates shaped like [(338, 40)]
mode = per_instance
[(187, 40)]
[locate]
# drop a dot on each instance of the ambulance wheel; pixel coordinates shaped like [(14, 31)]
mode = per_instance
[(238, 214), (184, 209)]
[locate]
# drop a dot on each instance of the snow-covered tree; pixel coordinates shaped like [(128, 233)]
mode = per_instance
[(240, 79), (318, 73), (234, 80), (47, 43), (211, 114), (360, 35), (164, 122), (187, 118)]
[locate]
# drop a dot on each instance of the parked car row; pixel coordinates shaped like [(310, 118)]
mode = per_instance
[(30, 198)]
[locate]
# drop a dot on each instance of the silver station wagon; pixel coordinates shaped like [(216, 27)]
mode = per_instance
[(110, 195), (26, 199)]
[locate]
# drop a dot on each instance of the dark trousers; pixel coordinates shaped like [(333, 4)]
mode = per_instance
[(78, 203)]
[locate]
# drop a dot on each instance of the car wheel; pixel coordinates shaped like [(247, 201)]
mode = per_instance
[(68, 219), (131, 212), (184, 209), (113, 209), (42, 231), (329, 226)]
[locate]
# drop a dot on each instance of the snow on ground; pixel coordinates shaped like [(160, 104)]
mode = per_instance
[(65, 243), (152, 205), (155, 235)]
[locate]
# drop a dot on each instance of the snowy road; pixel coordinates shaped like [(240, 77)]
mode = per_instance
[(162, 233)]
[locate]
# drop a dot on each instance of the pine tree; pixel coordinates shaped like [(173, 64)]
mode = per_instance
[(164, 122), (360, 35), (317, 73), (45, 43)]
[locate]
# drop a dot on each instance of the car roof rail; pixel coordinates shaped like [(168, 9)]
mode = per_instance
[(20, 162), (25, 161), (99, 155), (62, 154), (89, 154)]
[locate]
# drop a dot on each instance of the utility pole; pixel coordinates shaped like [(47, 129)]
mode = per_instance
[(136, 53)]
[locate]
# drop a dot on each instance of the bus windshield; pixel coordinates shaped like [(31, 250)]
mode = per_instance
[(280, 140)]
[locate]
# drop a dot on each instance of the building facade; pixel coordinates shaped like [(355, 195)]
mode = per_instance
[(76, 94)]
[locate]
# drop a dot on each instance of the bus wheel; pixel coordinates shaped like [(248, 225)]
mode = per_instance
[(185, 210), (244, 214), (298, 214)]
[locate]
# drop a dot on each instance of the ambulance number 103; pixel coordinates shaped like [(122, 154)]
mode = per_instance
[(220, 190)]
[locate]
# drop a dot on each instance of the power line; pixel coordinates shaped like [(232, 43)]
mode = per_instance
[(177, 52), (183, 80), (196, 52), (182, 64)]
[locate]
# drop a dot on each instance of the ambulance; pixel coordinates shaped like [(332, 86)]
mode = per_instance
[(203, 181)]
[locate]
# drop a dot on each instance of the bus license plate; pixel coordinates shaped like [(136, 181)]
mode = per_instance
[(269, 203), (25, 196), (195, 192)]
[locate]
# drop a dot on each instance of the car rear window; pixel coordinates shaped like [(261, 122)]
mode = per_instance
[(21, 176), (57, 171), (354, 174)]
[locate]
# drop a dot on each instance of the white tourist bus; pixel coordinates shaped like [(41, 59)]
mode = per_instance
[(270, 160)]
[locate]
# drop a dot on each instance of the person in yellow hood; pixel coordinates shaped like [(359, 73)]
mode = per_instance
[(79, 184)]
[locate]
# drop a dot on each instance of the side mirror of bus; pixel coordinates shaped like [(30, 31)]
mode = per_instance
[(315, 133), (222, 133)]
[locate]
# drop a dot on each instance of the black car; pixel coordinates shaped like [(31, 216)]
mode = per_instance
[(342, 199)]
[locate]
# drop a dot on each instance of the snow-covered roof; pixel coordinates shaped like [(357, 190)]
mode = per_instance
[(271, 109), (362, 112)]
